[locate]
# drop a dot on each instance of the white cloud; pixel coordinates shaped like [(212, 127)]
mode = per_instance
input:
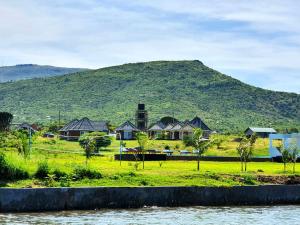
[(245, 39)]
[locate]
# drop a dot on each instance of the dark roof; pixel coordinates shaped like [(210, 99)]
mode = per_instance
[(100, 125), (68, 125), (198, 123), (127, 126), (26, 126), (85, 124)]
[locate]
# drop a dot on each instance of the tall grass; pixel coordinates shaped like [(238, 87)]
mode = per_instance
[(10, 171)]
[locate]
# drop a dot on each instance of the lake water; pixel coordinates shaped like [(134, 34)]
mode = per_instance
[(155, 215)]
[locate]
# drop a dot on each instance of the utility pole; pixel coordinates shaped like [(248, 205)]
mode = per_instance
[(29, 141), (59, 119), (121, 149)]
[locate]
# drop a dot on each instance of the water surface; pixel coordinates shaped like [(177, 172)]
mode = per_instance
[(156, 215)]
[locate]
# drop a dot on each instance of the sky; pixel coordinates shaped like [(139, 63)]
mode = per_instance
[(255, 41)]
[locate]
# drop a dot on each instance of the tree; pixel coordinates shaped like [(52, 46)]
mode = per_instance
[(89, 146), (5, 121), (54, 127), (285, 156), (102, 140), (142, 139), (218, 140), (168, 119), (22, 143), (294, 151), (111, 127), (245, 150), (199, 143), (293, 130)]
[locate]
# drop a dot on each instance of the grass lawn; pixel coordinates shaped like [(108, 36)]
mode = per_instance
[(64, 156), (228, 147), (168, 173)]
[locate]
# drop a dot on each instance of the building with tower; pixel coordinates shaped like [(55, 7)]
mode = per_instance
[(141, 117)]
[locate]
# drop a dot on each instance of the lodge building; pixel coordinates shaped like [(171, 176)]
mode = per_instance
[(74, 129), (170, 130)]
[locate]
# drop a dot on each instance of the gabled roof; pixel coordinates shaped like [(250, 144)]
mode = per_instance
[(157, 126), (177, 126), (99, 125), (262, 129), (84, 125), (198, 123), (187, 126), (68, 125), (127, 126), (169, 126)]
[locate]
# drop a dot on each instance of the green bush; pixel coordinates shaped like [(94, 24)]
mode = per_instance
[(248, 179), (11, 172), (83, 172), (59, 174), (43, 170), (65, 181)]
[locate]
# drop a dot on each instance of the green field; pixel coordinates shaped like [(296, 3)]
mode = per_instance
[(64, 156), (228, 148)]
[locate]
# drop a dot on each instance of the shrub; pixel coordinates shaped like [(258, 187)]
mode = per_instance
[(50, 180), (132, 174), (248, 179), (65, 181), (144, 183), (9, 171), (83, 172), (59, 174), (136, 165), (43, 170), (50, 141)]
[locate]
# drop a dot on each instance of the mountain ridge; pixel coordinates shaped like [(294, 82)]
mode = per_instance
[(183, 88), (29, 71)]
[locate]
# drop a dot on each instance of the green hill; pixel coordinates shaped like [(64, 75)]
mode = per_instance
[(182, 88), (25, 71)]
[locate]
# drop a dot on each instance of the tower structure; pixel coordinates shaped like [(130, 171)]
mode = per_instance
[(141, 117)]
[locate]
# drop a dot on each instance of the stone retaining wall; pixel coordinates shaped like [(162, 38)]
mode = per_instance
[(49, 199)]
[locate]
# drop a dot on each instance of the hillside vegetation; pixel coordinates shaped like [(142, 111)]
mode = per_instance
[(25, 71), (180, 88)]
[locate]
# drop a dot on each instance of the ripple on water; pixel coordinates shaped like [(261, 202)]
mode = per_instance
[(166, 216)]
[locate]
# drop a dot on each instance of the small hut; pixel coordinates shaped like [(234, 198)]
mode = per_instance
[(126, 131)]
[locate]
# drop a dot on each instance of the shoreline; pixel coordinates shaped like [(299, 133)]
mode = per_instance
[(90, 198)]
